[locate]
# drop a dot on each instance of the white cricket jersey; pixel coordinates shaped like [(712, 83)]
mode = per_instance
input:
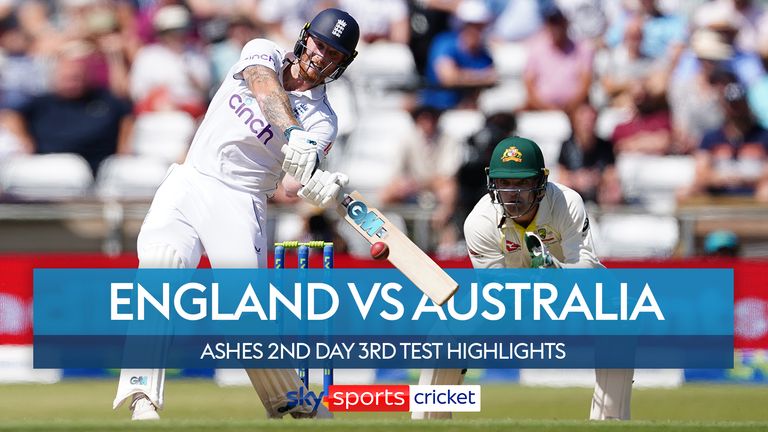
[(235, 144), (561, 221)]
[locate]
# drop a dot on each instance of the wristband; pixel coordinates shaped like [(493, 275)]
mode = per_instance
[(288, 131)]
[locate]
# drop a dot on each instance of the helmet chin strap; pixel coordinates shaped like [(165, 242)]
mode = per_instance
[(504, 212), (508, 214), (507, 207), (308, 64), (325, 78)]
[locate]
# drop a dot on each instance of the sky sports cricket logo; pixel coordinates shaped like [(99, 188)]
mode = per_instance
[(391, 397)]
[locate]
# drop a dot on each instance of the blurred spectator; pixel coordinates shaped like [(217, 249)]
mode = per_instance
[(171, 74), (311, 223), (200, 11), (516, 20), (588, 18), (624, 64), (48, 23), (107, 25), (108, 64), (53, 23), (586, 161), (207, 10), (722, 243), (649, 131), (428, 19), (745, 64), (733, 159), (758, 92), (746, 16), (478, 151), (664, 35), (213, 18), (558, 74), (22, 75), (240, 30), (281, 18), (428, 166), (380, 19), (695, 103), (72, 118), (459, 63), (319, 226), (7, 8)]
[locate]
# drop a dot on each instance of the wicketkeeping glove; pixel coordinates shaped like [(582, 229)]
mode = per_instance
[(540, 256), (324, 188), (301, 155)]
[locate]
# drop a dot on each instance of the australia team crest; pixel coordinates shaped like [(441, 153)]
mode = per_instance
[(512, 154)]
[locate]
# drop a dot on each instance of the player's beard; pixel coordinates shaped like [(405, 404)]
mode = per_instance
[(309, 72)]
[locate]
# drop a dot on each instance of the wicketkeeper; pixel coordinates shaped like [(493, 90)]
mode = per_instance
[(526, 221)]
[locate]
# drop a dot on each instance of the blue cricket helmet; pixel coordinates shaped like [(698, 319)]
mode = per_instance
[(337, 29)]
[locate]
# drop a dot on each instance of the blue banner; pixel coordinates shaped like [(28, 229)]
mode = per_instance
[(378, 318)]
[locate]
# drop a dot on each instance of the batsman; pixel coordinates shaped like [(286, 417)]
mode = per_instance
[(526, 221), (270, 117)]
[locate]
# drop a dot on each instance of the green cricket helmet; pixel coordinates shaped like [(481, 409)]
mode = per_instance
[(517, 158)]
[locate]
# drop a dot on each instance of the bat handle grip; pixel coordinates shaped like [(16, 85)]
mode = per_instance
[(341, 209)]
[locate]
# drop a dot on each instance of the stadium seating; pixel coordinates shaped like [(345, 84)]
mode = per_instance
[(159, 139), (637, 235), (164, 135), (384, 65), (608, 119), (130, 177), (509, 58), (461, 123), (508, 96), (342, 98), (652, 181), (58, 176), (371, 155), (548, 128)]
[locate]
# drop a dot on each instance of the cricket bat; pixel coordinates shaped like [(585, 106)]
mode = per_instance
[(403, 253)]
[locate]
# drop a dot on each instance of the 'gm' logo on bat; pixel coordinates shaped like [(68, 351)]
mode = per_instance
[(140, 380), (367, 220)]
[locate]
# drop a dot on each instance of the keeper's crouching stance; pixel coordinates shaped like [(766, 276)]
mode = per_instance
[(270, 117), (527, 222)]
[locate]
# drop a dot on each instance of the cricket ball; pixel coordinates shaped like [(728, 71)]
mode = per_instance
[(379, 251)]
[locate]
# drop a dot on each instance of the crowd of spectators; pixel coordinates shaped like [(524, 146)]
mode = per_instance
[(633, 77)]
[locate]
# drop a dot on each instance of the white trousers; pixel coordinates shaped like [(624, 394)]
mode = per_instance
[(192, 213)]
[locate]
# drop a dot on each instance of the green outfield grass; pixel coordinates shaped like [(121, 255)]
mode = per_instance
[(198, 405)]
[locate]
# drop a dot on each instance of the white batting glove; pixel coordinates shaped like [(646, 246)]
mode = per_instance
[(324, 188), (301, 155)]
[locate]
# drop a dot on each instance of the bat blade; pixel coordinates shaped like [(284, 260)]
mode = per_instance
[(403, 253)]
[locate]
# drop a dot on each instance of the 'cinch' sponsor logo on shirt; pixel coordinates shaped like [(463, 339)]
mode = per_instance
[(258, 126), (266, 57)]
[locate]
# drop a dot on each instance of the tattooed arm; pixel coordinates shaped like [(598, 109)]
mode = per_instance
[(302, 154), (270, 95)]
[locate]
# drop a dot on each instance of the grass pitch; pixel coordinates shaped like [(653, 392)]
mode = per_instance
[(199, 405)]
